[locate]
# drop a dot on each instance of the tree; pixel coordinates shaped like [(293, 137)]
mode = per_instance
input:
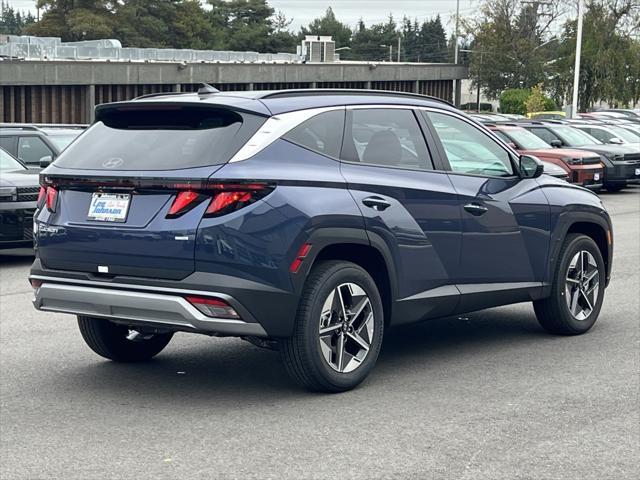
[(536, 101), (74, 20), (366, 43), (513, 100), (511, 43), (13, 22), (610, 60), (329, 25)]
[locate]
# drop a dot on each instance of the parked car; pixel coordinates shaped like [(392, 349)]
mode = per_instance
[(32, 143), (19, 189), (621, 162), (582, 168), (615, 134), (551, 115), (310, 219)]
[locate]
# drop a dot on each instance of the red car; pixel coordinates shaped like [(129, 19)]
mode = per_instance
[(583, 168)]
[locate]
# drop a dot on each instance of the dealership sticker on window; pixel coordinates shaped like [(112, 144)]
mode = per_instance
[(108, 207)]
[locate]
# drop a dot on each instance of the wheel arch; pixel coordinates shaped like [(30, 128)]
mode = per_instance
[(595, 226)]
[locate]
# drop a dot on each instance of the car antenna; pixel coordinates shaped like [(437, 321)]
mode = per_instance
[(207, 89)]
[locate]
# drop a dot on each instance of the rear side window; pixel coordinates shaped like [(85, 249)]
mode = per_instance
[(322, 133), (385, 137), (157, 138)]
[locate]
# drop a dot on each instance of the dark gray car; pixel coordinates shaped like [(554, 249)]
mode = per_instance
[(18, 196)]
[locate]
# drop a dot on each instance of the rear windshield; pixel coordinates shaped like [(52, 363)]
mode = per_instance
[(150, 138)]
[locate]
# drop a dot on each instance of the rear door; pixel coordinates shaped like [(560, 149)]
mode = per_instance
[(410, 209), (505, 218), (129, 194)]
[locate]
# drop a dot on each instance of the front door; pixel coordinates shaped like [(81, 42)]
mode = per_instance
[(505, 217)]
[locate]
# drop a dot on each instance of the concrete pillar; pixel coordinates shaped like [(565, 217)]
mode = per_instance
[(90, 103), (416, 86), (314, 85), (2, 119), (367, 85), (457, 92), (177, 88), (250, 86)]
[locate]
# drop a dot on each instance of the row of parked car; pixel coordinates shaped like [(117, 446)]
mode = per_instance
[(24, 150), (598, 150)]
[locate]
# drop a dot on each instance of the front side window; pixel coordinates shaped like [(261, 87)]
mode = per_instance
[(574, 137), (7, 162), (32, 149), (468, 149), (385, 137), (322, 133)]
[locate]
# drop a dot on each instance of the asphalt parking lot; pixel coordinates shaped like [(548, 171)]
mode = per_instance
[(488, 396)]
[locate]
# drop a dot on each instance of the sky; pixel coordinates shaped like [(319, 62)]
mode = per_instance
[(350, 11)]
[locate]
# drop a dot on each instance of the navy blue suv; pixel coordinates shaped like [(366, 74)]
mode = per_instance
[(305, 220)]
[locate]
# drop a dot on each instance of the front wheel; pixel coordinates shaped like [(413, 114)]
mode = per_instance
[(338, 331), (118, 342), (577, 291)]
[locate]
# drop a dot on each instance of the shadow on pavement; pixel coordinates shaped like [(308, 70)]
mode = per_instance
[(235, 371)]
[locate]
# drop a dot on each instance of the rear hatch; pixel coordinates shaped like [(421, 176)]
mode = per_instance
[(126, 198)]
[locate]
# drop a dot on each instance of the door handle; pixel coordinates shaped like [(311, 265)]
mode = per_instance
[(475, 209), (376, 203)]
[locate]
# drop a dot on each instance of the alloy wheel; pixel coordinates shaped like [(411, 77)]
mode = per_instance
[(346, 327), (582, 285)]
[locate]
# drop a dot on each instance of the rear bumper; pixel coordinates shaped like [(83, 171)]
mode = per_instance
[(141, 307)]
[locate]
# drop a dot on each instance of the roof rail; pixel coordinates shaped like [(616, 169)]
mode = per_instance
[(348, 91), (38, 126)]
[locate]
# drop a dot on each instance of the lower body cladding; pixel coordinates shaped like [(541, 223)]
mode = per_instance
[(16, 227), (173, 310)]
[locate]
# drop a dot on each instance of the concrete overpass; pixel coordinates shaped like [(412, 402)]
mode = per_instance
[(67, 91)]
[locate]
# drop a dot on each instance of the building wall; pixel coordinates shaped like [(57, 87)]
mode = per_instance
[(67, 92)]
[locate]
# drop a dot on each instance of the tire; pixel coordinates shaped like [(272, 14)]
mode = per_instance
[(554, 313), (311, 357), (109, 340)]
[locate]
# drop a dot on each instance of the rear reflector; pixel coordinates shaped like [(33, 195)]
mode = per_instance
[(302, 253), (213, 307), (41, 194), (35, 283)]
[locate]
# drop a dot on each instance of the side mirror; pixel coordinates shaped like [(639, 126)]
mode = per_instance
[(513, 145), (530, 166), (616, 141), (46, 161), (556, 143)]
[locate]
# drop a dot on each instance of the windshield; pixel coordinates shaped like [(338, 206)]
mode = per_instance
[(8, 163), (576, 138), (61, 141), (526, 140)]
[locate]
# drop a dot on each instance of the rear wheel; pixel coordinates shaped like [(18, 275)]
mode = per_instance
[(338, 330), (577, 290), (118, 342)]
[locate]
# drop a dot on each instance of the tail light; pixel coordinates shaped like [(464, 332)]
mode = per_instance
[(41, 193), (214, 307), (185, 201), (51, 198), (223, 198)]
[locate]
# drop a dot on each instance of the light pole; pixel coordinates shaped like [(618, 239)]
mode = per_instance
[(479, 72), (456, 82), (576, 68), (390, 51)]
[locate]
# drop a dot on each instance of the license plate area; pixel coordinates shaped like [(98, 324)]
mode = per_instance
[(596, 176), (109, 207), (637, 171)]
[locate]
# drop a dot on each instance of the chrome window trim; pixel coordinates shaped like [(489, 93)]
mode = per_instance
[(274, 128)]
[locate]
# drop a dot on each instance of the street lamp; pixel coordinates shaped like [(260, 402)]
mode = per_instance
[(390, 51)]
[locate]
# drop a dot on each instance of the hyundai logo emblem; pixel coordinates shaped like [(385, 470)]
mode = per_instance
[(112, 162)]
